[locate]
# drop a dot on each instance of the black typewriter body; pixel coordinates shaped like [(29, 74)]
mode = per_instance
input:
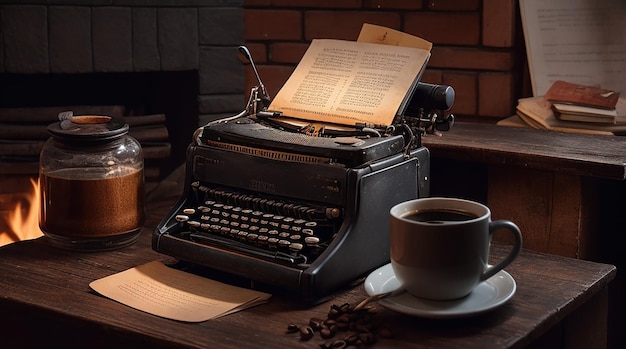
[(298, 208), (335, 215)]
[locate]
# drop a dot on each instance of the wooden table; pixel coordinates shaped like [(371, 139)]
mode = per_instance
[(45, 300)]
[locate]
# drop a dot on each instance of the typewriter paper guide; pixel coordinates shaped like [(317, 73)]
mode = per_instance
[(348, 82)]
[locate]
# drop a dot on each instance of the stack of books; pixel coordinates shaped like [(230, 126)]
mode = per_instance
[(574, 108), (576, 102)]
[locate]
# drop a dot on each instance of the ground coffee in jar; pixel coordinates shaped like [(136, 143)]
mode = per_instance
[(91, 183)]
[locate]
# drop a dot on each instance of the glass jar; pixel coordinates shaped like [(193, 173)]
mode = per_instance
[(91, 183)]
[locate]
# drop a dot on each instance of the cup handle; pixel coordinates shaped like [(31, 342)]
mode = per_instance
[(517, 247)]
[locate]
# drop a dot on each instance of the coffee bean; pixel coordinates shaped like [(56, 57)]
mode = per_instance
[(367, 338), (306, 333), (316, 324), (358, 323), (327, 333), (339, 344), (352, 338), (292, 328)]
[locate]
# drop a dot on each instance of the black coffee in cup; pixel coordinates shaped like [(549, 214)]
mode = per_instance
[(439, 247), (440, 216)]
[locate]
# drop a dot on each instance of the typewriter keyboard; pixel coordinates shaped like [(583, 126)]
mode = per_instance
[(287, 232)]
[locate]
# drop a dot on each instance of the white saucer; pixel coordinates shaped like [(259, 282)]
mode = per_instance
[(488, 295)]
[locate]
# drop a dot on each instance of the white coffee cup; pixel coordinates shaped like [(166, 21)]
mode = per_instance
[(439, 247)]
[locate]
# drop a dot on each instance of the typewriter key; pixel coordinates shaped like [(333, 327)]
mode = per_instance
[(233, 233), (295, 246), (182, 217), (311, 240)]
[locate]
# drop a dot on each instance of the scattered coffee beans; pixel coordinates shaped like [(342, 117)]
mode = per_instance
[(348, 324)]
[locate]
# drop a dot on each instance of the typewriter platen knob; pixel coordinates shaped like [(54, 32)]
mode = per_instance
[(333, 213), (432, 96)]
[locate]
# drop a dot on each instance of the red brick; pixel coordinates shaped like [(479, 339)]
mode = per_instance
[(287, 52), (499, 23), (453, 5), (471, 58), (432, 76), (465, 88), (345, 25), (272, 25), (444, 28), (495, 95), (392, 4), (318, 3)]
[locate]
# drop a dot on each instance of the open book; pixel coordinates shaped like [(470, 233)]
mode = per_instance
[(349, 82)]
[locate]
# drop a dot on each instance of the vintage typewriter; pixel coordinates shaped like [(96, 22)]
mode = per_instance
[(273, 203)]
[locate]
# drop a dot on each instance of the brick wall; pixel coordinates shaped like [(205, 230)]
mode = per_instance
[(477, 44)]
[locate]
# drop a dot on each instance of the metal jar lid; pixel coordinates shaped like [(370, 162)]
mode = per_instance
[(88, 128)]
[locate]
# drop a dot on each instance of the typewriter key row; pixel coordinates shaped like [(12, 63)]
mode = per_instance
[(261, 229)]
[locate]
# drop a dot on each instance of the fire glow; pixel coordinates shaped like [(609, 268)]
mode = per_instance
[(22, 223)]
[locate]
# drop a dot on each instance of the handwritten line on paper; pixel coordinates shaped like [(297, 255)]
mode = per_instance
[(163, 291)]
